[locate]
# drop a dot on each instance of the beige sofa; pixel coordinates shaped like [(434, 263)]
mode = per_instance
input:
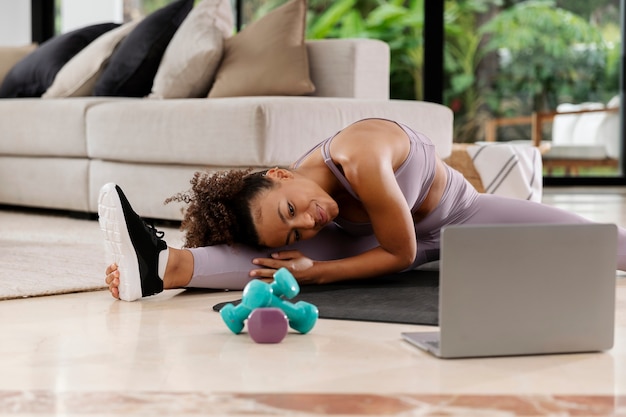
[(57, 153)]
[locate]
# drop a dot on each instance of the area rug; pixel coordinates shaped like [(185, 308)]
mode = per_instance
[(46, 253), (410, 298)]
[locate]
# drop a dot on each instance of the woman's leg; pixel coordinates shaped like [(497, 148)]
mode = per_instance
[(461, 204), (228, 267), (146, 266), (492, 209)]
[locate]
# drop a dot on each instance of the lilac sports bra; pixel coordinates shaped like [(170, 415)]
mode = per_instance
[(414, 176)]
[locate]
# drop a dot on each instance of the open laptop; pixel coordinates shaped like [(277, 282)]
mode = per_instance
[(524, 290)]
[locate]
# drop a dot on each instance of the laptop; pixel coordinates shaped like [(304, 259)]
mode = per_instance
[(524, 290)]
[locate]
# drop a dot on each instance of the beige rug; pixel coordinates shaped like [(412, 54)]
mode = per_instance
[(46, 254)]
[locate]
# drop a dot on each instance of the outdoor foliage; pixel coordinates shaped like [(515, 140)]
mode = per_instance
[(546, 53), (398, 23), (501, 57), (463, 55)]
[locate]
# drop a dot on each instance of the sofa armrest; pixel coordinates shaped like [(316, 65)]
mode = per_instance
[(354, 68)]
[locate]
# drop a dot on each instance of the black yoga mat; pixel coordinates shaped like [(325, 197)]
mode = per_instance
[(409, 297)]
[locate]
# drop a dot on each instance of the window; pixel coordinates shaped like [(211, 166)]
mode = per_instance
[(510, 65)]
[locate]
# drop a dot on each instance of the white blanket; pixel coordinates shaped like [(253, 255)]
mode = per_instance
[(511, 170)]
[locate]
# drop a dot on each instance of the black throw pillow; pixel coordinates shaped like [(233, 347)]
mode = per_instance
[(134, 63), (32, 76)]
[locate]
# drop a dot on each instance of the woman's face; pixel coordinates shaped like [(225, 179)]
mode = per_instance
[(297, 208)]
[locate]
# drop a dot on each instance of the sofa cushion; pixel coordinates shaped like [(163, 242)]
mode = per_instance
[(134, 63), (48, 182), (192, 57), (78, 77), (138, 183), (268, 57), (357, 68), (243, 131), (32, 76), (593, 135), (586, 152), (11, 55), (36, 127)]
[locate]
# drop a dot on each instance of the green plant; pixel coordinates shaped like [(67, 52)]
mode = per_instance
[(398, 23), (545, 52), (463, 56)]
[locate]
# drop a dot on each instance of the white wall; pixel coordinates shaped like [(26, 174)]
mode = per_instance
[(79, 13), (15, 17), (15, 22)]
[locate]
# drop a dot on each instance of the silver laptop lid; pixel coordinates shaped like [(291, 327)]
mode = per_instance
[(527, 289)]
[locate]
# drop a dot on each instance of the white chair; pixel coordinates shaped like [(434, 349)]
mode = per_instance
[(583, 135)]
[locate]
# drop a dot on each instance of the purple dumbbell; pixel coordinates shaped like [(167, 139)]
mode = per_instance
[(267, 325)]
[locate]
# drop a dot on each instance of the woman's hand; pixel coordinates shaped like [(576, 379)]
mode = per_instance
[(293, 260)]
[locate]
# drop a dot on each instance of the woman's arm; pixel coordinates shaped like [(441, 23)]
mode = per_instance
[(369, 264), (368, 152)]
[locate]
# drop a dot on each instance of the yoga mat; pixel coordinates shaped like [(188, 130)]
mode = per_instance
[(409, 297)]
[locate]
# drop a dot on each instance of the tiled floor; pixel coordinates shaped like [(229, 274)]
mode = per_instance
[(86, 354)]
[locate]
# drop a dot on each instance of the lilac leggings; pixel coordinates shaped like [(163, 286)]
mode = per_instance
[(225, 267)]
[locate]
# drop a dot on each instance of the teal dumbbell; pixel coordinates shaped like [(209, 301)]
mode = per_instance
[(302, 316), (257, 294), (284, 285)]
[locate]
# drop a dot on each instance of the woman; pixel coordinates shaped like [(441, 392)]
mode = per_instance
[(367, 201)]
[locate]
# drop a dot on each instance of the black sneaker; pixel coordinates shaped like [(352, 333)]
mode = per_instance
[(131, 244)]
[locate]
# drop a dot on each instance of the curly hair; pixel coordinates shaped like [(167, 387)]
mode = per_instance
[(219, 207)]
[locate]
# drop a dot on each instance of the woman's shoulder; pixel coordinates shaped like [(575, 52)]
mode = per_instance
[(373, 128), (369, 135), (370, 142), (373, 122)]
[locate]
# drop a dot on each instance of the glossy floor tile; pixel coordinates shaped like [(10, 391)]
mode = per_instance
[(85, 354)]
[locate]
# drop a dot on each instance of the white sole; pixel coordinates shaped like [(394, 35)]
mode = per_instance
[(118, 246)]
